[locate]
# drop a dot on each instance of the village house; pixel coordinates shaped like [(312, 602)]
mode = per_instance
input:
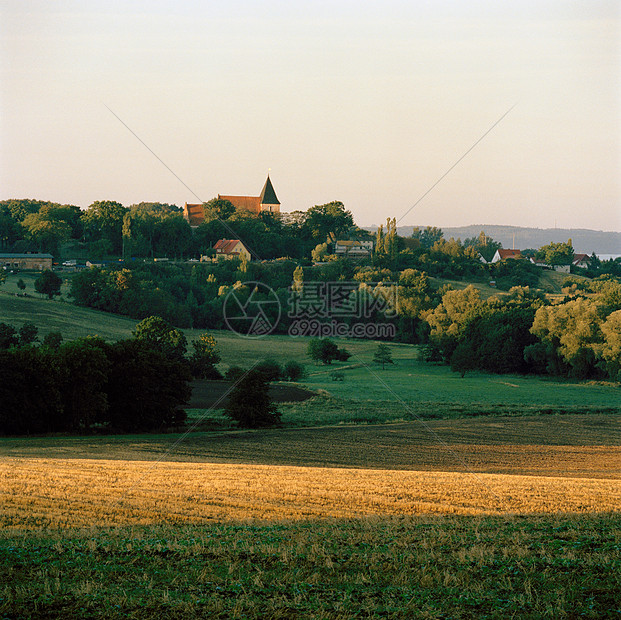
[(35, 262), (506, 255), (581, 260), (266, 201), (231, 248)]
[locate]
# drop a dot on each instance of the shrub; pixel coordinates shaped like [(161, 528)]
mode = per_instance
[(293, 371), (271, 369), (234, 373)]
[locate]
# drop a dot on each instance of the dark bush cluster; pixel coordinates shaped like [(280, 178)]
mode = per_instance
[(271, 370)]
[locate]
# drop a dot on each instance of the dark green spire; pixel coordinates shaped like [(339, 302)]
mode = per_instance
[(268, 195)]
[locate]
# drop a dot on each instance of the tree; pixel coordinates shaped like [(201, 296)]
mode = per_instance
[(218, 209), (382, 355), (326, 351), (103, 220), (322, 221), (574, 330), (611, 351), (293, 371), (48, 283), (249, 403), (449, 319), (28, 333), (270, 368), (160, 335), (52, 340), (320, 252), (172, 236), (82, 374), (46, 232), (8, 336), (21, 285), (145, 388), (428, 237), (556, 253), (484, 245), (205, 357)]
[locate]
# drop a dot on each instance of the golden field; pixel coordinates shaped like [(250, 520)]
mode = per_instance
[(51, 493)]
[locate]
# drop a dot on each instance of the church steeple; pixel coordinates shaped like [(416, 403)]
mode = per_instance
[(269, 200)]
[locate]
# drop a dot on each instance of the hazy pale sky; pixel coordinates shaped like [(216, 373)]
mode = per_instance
[(369, 103)]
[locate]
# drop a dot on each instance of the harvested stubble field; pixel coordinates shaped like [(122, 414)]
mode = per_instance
[(70, 493), (538, 464)]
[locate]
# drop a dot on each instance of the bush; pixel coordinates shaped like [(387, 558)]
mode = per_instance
[(234, 373), (271, 369), (293, 371)]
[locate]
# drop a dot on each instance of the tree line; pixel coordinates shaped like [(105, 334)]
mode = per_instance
[(136, 384), (153, 229)]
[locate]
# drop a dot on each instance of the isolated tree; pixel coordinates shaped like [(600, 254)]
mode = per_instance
[(326, 351), (21, 285), (48, 283), (162, 336), (383, 355), (249, 403), (270, 368)]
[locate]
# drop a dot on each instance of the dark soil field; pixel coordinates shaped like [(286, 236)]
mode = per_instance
[(206, 394), (579, 446)]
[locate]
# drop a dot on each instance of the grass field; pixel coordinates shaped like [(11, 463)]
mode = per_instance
[(390, 567)]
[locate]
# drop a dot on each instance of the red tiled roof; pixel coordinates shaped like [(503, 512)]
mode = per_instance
[(226, 246), (249, 203), (509, 254)]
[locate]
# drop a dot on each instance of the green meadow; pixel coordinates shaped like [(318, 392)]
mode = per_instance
[(409, 380)]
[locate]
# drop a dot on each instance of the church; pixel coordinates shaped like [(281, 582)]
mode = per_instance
[(266, 201)]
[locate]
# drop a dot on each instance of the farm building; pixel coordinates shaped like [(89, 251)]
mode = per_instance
[(266, 201), (34, 262)]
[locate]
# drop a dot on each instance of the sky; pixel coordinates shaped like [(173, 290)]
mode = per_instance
[(365, 102)]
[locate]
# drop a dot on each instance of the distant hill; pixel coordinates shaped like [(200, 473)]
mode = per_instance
[(584, 240)]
